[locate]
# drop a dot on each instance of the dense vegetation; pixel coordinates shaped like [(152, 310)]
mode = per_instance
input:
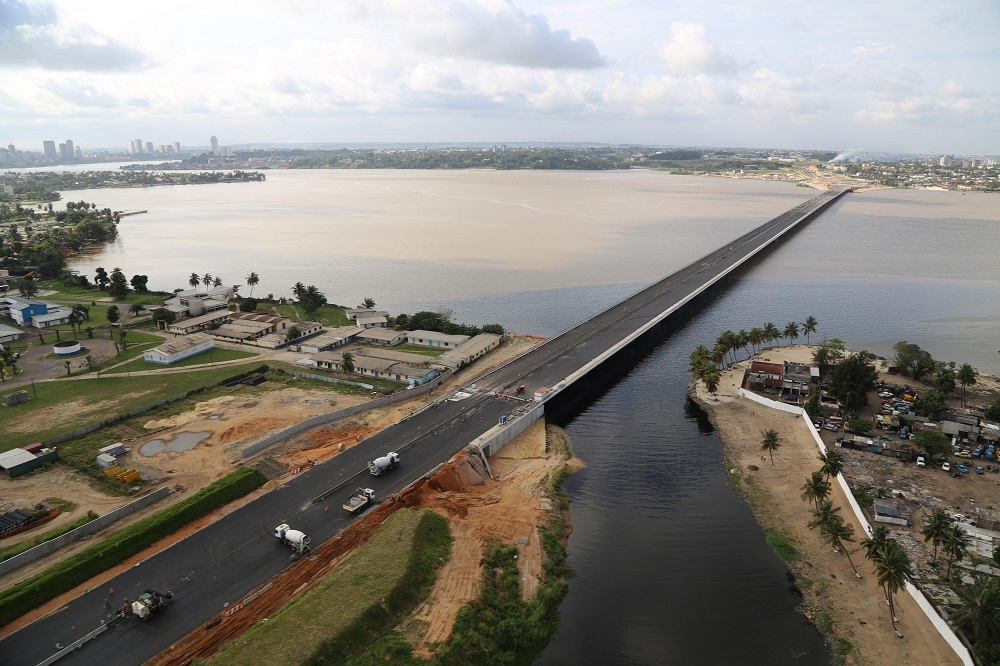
[(21, 598), (442, 323), (46, 185)]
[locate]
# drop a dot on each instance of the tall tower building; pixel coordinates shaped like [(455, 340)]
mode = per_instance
[(70, 151), (215, 145), (138, 147), (177, 147), (149, 148), (11, 149), (63, 154), (50, 150), (78, 154)]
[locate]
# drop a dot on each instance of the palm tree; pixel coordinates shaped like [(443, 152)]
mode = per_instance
[(347, 363), (711, 380), (936, 526), (6, 357), (252, 281), (967, 376), (756, 337), (879, 536), (978, 610), (836, 533), (817, 487), (217, 282), (892, 570), (700, 358), (368, 303), (833, 463), (955, 544), (725, 343), (194, 280), (136, 309), (771, 442), (298, 290), (824, 513), (771, 332), (791, 331), (743, 339), (207, 280), (809, 326)]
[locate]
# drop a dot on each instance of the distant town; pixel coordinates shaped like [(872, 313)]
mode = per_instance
[(813, 168)]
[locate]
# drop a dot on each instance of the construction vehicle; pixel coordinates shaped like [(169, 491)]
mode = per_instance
[(380, 466), (150, 602), (294, 539), (361, 498)]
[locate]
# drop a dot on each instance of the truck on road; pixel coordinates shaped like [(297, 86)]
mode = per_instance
[(380, 466), (294, 539), (361, 498), (150, 602)]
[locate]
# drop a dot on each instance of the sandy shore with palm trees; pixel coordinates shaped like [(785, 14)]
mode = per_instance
[(851, 609)]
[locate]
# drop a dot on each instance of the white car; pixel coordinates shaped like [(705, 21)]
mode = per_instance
[(946, 466), (921, 462)]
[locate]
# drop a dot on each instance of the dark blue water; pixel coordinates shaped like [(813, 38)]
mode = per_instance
[(672, 567)]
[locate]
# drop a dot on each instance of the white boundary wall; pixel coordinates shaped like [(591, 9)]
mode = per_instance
[(946, 632)]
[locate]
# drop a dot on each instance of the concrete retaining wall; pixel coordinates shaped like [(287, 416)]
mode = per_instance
[(499, 436), (43, 549), (922, 602), (320, 419)]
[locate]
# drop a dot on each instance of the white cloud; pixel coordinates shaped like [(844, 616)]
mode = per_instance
[(688, 51), (500, 33)]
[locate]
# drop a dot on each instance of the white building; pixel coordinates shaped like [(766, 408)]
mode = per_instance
[(179, 348), (435, 339)]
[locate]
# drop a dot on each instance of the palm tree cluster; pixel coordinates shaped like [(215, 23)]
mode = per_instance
[(706, 363), (892, 567), (941, 530)]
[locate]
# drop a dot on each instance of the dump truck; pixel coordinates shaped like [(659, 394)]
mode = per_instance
[(150, 602), (294, 539), (361, 498), (380, 466)]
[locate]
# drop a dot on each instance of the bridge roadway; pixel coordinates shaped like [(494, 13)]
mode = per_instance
[(222, 563)]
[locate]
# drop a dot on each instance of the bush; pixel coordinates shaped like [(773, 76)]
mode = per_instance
[(859, 426), (66, 575)]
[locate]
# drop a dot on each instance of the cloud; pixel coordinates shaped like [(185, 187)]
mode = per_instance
[(502, 34), (687, 51), (31, 36), (874, 47)]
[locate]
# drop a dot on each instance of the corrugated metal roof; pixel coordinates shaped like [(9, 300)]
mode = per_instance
[(15, 457)]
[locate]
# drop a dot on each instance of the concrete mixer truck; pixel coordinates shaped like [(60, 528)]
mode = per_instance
[(380, 466), (294, 539)]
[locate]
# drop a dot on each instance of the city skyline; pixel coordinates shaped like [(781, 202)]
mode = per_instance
[(870, 77)]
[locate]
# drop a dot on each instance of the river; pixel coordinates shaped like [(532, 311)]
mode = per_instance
[(672, 567)]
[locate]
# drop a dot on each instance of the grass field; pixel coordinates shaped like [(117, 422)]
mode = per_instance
[(206, 357), (329, 315), (367, 589), (91, 400), (418, 349)]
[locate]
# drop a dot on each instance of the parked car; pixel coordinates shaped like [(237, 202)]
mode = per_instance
[(962, 468), (979, 470), (962, 454), (978, 453), (921, 462), (946, 466)]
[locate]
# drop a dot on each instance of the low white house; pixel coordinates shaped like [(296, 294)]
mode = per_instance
[(9, 333), (435, 339), (372, 321), (382, 336), (179, 348)]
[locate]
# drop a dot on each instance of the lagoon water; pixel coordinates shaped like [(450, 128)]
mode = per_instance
[(672, 567)]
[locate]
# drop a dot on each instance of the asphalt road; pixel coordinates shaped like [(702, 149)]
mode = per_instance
[(220, 564)]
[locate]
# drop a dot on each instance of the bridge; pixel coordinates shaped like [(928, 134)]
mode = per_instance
[(222, 563)]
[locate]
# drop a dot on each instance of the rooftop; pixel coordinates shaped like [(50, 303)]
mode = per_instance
[(180, 344)]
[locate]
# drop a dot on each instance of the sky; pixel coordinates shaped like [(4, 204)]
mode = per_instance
[(884, 75)]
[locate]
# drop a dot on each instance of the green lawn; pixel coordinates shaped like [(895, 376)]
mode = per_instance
[(94, 399), (328, 315), (204, 358), (80, 294), (418, 349)]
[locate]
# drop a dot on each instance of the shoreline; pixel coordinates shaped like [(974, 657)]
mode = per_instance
[(849, 612)]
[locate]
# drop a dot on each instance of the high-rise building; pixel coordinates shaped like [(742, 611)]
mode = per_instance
[(163, 149), (170, 149), (70, 150), (149, 148), (11, 149), (138, 147), (215, 145), (50, 150), (177, 147), (63, 154), (77, 153)]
